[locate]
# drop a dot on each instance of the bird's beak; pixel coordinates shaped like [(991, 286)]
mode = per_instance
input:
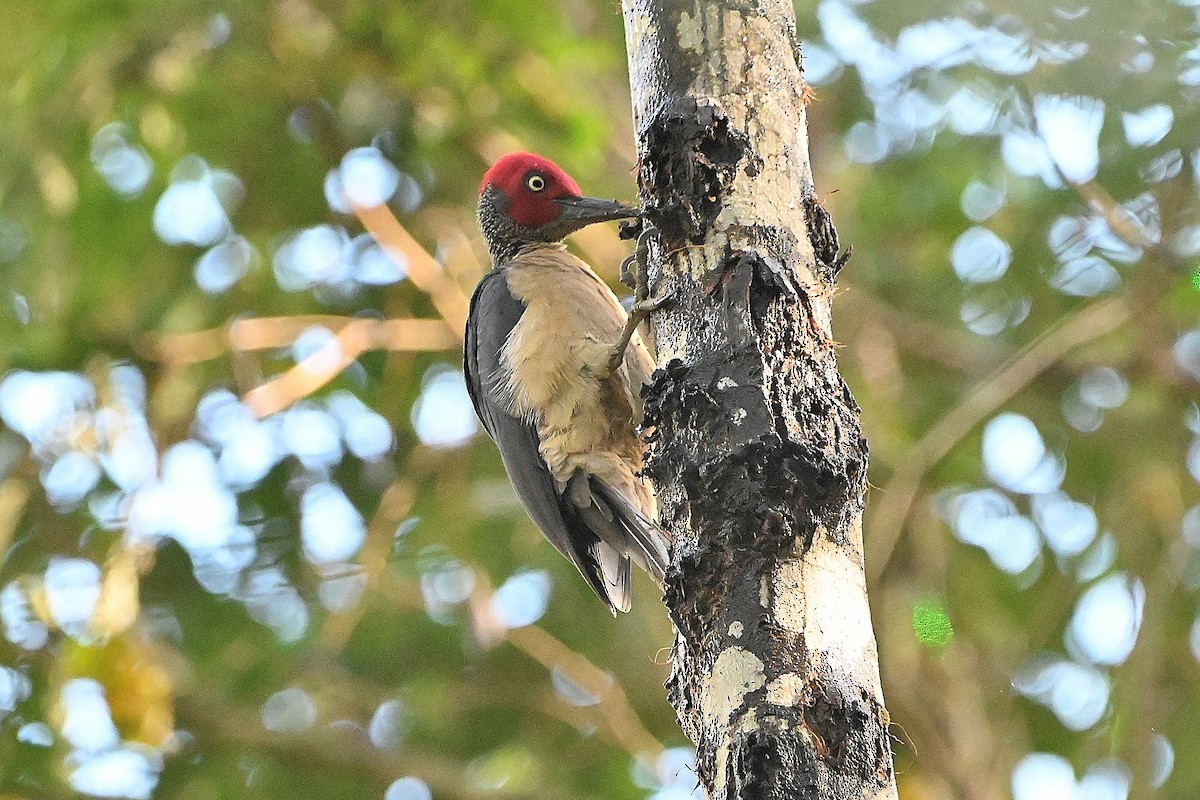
[(579, 212)]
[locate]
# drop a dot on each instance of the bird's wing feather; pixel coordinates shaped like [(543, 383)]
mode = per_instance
[(493, 314), (485, 336)]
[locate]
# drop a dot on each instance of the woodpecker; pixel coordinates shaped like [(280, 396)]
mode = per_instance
[(555, 370)]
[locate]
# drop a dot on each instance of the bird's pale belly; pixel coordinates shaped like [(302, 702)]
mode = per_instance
[(582, 420), (553, 361)]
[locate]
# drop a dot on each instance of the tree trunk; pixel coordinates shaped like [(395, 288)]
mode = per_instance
[(755, 444)]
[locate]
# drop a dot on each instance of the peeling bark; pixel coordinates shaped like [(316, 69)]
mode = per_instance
[(755, 443)]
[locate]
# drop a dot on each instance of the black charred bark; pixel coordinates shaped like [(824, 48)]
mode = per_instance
[(755, 444)]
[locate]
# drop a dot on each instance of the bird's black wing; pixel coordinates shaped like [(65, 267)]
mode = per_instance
[(494, 313), (486, 334)]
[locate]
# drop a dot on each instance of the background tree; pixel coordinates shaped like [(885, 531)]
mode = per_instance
[(198, 602)]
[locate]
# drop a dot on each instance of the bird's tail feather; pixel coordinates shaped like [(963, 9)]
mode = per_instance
[(619, 533), (614, 572), (644, 540)]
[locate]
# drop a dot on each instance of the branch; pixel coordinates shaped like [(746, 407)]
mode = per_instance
[(329, 748), (423, 269), (886, 524), (394, 505), (332, 358), (1125, 225), (357, 337), (354, 336), (266, 333), (616, 715), (620, 717), (923, 337)]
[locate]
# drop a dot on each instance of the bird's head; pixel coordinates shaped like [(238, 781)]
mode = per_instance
[(525, 199)]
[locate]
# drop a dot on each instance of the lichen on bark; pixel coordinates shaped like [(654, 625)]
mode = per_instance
[(754, 440)]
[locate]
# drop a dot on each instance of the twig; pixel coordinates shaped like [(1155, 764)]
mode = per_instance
[(613, 704), (1124, 224), (265, 333), (390, 334), (619, 718), (423, 269), (394, 506), (886, 524), (328, 361), (181, 349), (355, 338), (924, 337), (623, 724)]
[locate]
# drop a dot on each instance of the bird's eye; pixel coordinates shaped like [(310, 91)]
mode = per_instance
[(535, 183)]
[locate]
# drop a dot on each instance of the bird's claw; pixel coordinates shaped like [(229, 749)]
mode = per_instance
[(644, 307), (633, 268), (627, 274), (633, 274)]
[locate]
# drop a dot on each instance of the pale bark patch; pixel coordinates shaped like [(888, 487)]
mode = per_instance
[(787, 690), (736, 673), (689, 32), (823, 597)]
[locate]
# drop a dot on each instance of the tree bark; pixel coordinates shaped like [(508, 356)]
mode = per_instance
[(755, 445)]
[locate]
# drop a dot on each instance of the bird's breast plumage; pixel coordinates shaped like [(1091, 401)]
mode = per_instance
[(554, 362)]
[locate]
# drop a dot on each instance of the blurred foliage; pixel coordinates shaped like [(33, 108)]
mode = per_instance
[(344, 599)]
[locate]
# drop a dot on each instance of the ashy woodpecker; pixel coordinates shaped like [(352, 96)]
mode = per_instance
[(556, 380)]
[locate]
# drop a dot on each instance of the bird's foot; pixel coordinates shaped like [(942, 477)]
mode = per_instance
[(639, 312), (633, 229)]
